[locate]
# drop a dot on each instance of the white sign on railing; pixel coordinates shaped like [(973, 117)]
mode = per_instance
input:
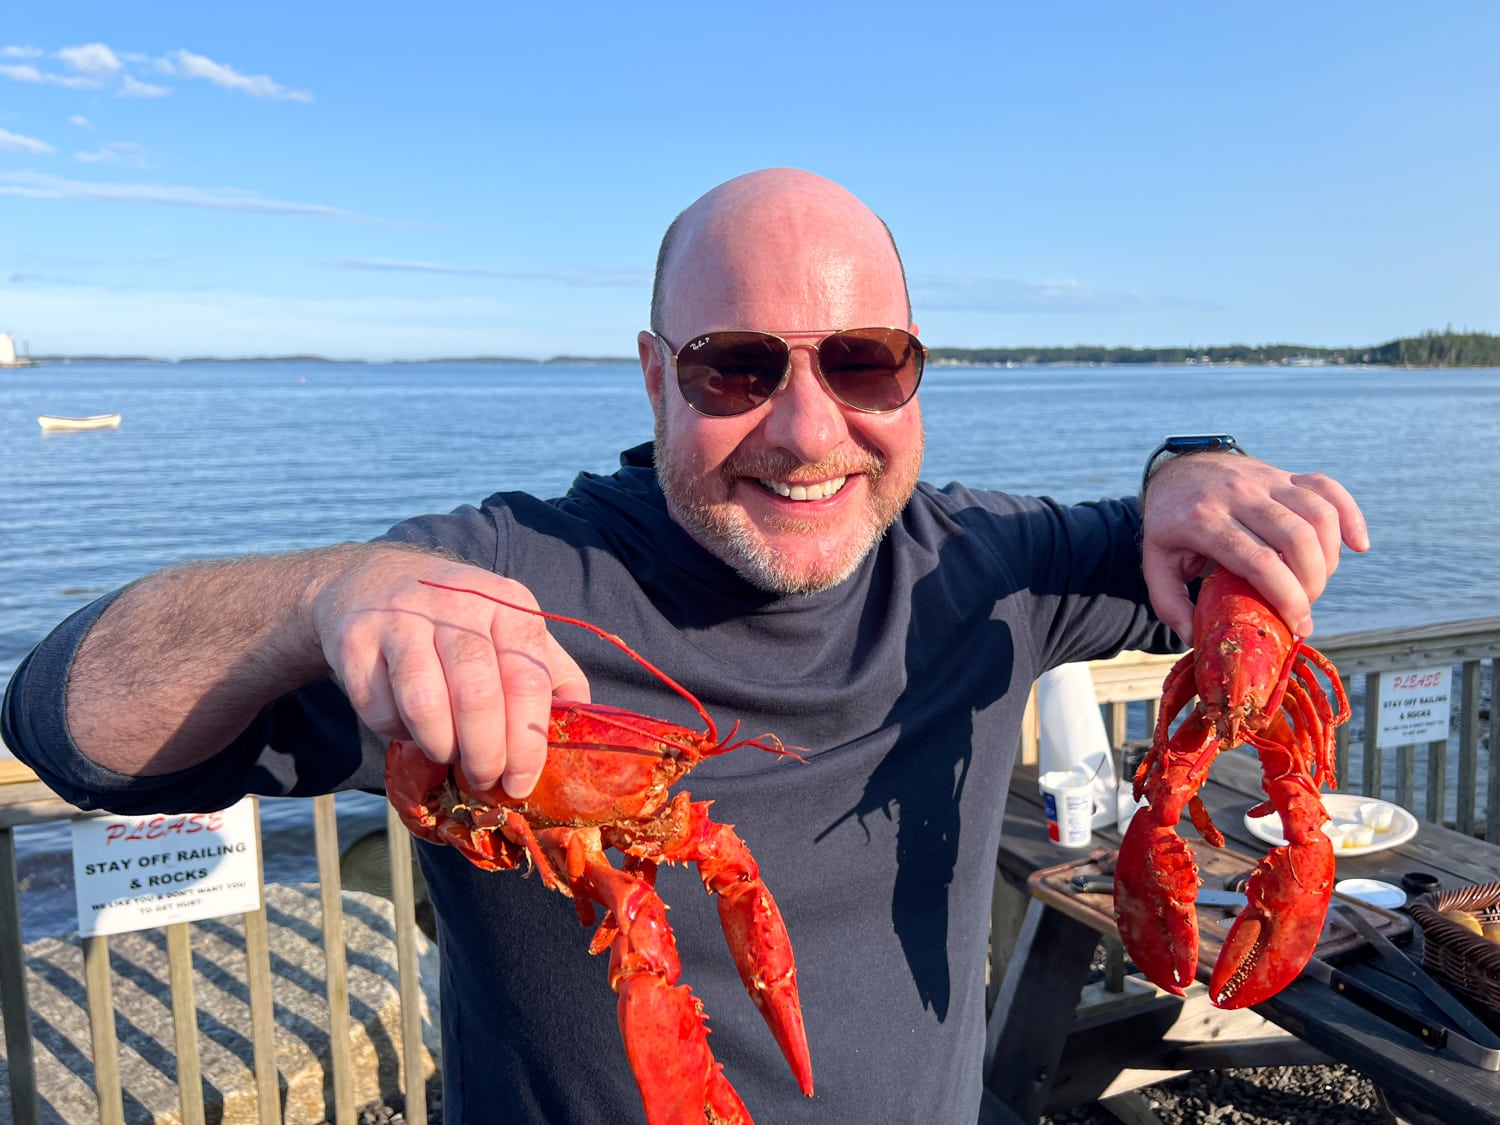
[(139, 872), (1414, 707)]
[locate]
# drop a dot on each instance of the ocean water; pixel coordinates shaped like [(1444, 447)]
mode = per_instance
[(227, 458)]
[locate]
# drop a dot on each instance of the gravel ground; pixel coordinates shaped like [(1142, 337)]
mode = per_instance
[(1277, 1095), (1272, 1095)]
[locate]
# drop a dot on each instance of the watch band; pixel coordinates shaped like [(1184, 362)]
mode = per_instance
[(1184, 445)]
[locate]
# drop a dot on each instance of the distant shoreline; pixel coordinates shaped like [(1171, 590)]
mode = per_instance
[(163, 361), (1430, 349), (603, 361)]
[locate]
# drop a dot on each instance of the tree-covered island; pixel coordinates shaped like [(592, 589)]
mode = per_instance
[(1430, 349)]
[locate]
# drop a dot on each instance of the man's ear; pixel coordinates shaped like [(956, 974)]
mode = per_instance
[(653, 367)]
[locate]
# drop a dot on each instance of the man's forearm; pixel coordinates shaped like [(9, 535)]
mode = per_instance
[(182, 661)]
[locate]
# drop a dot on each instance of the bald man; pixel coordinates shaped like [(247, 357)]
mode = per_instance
[(774, 550)]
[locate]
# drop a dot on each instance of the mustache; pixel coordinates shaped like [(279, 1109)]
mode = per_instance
[(772, 465)]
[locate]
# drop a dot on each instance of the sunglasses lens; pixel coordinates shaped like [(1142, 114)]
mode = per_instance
[(873, 369), (726, 373)]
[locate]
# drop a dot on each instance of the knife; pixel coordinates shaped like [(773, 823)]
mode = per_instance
[(1105, 885), (1463, 1035)]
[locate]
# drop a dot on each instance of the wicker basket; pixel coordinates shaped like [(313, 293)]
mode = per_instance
[(1461, 960)]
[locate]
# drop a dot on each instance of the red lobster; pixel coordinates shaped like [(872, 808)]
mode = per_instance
[(605, 785), (1254, 685)]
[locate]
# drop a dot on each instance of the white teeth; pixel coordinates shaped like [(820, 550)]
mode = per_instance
[(820, 491)]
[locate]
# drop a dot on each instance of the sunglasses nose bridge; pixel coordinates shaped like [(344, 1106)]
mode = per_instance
[(814, 364)]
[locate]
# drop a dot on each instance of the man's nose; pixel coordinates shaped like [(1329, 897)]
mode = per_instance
[(803, 417)]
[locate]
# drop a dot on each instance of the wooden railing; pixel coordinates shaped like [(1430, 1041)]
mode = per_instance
[(1129, 690), (24, 801), (1128, 687)]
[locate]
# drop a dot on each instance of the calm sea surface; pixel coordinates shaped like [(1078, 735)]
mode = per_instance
[(227, 458)]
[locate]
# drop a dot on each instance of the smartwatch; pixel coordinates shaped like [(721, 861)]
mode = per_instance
[(1183, 445)]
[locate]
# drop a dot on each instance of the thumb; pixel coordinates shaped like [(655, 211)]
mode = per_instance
[(1169, 597)]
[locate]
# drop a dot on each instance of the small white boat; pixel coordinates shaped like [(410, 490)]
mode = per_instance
[(92, 422)]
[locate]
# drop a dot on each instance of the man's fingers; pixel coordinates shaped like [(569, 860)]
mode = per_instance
[(468, 679), (1285, 549), (471, 670), (1168, 594), (1353, 530), (369, 690)]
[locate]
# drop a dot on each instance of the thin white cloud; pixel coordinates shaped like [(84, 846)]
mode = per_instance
[(15, 142), (93, 59), (134, 88), (590, 277), (31, 185), (185, 64), (81, 121), (25, 72), (20, 52), (117, 152)]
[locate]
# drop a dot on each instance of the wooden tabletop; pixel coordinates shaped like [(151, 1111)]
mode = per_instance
[(1426, 1081)]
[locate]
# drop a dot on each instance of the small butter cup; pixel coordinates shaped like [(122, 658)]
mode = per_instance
[(1377, 815), (1359, 836)]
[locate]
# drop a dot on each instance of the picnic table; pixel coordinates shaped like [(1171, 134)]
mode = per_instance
[(1046, 1052)]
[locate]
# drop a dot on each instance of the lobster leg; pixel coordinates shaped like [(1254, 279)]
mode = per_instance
[(753, 928), (661, 1022), (1276, 934)]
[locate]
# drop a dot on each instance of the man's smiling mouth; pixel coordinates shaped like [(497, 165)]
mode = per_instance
[(822, 490)]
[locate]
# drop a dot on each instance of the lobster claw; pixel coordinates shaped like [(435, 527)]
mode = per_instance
[(666, 1041), (1156, 886), (1276, 934), (754, 930), (1156, 876)]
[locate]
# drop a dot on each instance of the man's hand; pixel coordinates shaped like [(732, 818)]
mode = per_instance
[(468, 680), (1281, 531)]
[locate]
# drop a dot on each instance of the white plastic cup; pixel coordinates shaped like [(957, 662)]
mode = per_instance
[(1068, 798), (1358, 836), (1071, 733), (1377, 815)]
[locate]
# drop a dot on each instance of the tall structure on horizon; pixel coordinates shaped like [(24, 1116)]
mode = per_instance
[(8, 357)]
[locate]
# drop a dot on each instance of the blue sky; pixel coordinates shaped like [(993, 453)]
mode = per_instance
[(398, 180)]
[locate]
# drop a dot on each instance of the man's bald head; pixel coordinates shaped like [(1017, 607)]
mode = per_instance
[(819, 226)]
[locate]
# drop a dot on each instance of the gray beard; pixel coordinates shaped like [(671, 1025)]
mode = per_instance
[(736, 545)]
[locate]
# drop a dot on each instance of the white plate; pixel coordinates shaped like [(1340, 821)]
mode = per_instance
[(1372, 891), (1344, 808)]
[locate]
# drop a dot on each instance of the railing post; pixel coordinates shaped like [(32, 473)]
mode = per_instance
[(1492, 795), (14, 1008), (408, 971), (1406, 776), (258, 983), (1468, 748), (185, 1023), (1371, 762), (102, 1030), (326, 834), (1437, 779)]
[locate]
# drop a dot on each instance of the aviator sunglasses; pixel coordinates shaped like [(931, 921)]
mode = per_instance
[(722, 374)]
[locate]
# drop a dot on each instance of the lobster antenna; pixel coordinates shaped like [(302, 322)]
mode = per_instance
[(703, 714)]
